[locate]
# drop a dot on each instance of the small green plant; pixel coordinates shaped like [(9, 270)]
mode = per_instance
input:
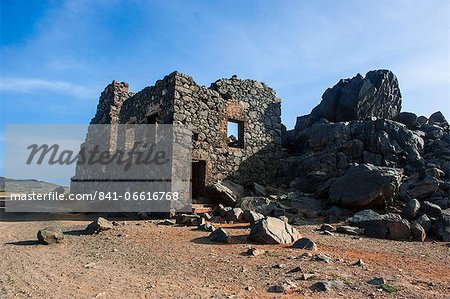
[(388, 288)]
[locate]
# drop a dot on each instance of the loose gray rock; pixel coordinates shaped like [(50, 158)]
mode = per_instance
[(251, 216), (305, 243), (377, 281), (234, 215), (350, 230), (259, 205), (50, 235), (252, 251), (321, 258), (226, 192), (324, 286), (189, 219), (327, 227), (206, 227), (220, 236), (98, 225), (273, 231), (286, 287)]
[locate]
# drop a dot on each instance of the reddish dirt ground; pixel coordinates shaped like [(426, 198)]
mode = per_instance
[(143, 260)]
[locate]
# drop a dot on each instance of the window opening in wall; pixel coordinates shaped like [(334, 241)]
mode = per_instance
[(235, 133)]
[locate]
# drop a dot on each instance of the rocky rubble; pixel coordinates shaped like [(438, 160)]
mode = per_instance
[(357, 150)]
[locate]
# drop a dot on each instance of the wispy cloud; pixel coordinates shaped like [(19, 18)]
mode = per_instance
[(35, 85)]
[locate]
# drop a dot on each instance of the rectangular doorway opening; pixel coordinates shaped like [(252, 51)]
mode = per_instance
[(198, 178)]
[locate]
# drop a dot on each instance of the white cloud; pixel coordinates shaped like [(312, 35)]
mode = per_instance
[(34, 85)]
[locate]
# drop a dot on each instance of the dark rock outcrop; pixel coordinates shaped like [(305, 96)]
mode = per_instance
[(365, 186), (378, 95)]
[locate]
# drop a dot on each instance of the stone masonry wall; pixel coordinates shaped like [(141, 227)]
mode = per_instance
[(252, 103), (178, 99)]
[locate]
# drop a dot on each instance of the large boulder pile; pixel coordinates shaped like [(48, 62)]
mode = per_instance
[(357, 150)]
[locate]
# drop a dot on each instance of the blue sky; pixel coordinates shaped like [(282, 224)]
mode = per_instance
[(57, 56)]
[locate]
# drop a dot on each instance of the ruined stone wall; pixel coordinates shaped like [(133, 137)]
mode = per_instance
[(252, 103), (155, 102), (178, 99)]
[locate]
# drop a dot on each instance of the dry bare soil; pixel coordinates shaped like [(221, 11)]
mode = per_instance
[(143, 260)]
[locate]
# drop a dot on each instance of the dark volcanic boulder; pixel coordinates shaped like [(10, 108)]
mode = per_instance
[(437, 118), (365, 186), (409, 119), (443, 226), (387, 226), (378, 95)]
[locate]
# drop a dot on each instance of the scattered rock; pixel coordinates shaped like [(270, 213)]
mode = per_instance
[(324, 286), (286, 287), (251, 216), (278, 266), (50, 235), (189, 219), (219, 236), (273, 231), (226, 192), (307, 276), (252, 251), (206, 227), (321, 258), (377, 281), (234, 215), (349, 230), (166, 222), (305, 243), (359, 262), (295, 270), (98, 225), (327, 227)]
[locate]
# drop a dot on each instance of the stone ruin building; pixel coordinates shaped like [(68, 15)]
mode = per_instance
[(250, 107)]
